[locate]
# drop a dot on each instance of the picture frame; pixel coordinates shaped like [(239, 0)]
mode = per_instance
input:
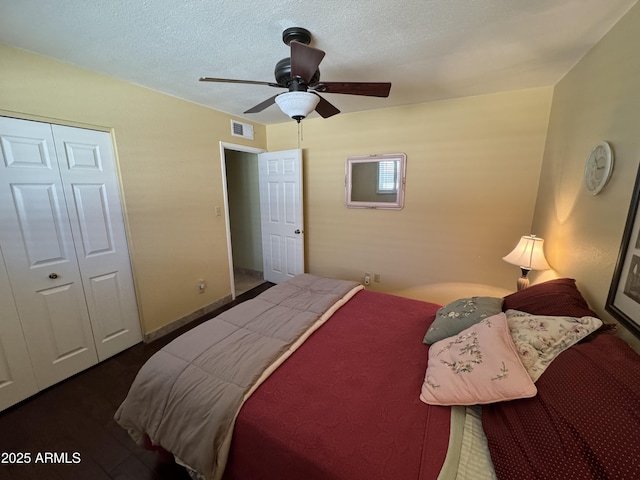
[(623, 301)]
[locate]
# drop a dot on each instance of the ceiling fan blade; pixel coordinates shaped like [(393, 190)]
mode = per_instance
[(368, 89), (229, 80), (304, 61), (261, 106), (326, 109)]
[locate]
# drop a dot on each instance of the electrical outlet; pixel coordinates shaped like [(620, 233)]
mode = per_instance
[(367, 279), (376, 277), (202, 285)]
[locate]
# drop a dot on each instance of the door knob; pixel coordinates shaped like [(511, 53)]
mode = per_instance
[(297, 232), (53, 276)]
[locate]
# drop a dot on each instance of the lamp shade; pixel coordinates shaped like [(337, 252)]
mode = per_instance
[(297, 104), (528, 254)]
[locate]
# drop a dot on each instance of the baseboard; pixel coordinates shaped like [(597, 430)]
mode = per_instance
[(170, 327), (249, 272)]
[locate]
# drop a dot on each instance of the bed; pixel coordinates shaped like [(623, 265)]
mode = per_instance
[(366, 385)]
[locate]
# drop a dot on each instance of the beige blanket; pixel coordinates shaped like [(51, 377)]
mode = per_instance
[(187, 396)]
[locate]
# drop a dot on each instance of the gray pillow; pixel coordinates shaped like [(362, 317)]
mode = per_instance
[(461, 314)]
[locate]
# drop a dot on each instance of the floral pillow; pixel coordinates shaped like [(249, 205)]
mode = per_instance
[(478, 366), (539, 339), (460, 314)]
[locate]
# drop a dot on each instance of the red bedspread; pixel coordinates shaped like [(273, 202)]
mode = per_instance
[(583, 424), (346, 405)]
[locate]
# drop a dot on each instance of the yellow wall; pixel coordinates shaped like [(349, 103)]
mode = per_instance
[(472, 176), (169, 159), (598, 100)]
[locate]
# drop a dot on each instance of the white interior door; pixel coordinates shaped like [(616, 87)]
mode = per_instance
[(89, 177), (17, 381), (281, 213), (39, 253)]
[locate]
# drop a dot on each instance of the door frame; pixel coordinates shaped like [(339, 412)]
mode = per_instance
[(223, 163)]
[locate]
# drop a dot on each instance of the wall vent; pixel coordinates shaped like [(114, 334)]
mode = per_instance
[(243, 130)]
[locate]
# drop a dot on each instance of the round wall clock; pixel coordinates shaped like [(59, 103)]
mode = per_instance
[(598, 168)]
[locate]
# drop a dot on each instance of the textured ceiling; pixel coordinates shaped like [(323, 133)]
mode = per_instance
[(428, 49)]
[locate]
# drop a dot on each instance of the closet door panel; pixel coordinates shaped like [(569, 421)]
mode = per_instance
[(41, 224), (17, 380), (40, 255), (88, 170)]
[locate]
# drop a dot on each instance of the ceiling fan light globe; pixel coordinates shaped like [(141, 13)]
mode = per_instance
[(297, 105)]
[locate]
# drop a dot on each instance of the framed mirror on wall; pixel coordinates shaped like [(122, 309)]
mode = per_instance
[(376, 181)]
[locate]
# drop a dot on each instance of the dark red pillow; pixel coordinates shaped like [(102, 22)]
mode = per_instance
[(558, 297)]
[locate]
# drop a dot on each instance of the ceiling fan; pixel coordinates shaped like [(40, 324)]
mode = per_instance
[(299, 74)]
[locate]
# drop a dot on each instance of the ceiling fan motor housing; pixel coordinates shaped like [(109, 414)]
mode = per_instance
[(282, 73)]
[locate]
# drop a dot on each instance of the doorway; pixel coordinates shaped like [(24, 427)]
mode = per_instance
[(242, 214)]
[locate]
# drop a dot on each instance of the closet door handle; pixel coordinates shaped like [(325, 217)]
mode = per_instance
[(53, 276)]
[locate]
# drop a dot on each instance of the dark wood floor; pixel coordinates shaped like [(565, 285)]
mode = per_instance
[(76, 417)]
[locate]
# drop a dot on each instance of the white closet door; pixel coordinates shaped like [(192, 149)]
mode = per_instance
[(89, 177), (17, 381), (39, 253)]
